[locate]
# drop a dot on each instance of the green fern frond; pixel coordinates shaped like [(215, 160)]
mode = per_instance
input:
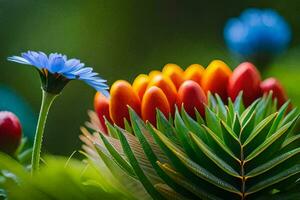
[(234, 153)]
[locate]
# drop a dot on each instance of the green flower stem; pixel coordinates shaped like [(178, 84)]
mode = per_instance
[(47, 100)]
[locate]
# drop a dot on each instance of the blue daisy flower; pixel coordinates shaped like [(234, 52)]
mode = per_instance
[(56, 70), (257, 33)]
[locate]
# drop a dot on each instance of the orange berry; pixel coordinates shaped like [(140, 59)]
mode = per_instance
[(272, 84), (167, 86), (122, 95), (192, 96), (245, 78), (194, 72), (154, 98), (215, 79), (140, 84), (101, 106), (175, 73), (154, 73)]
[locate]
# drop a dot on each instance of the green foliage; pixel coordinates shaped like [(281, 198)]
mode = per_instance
[(234, 153), (59, 178)]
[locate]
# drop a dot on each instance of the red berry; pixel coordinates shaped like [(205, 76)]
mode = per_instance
[(10, 132), (245, 78), (167, 86), (101, 105), (272, 84), (192, 96), (153, 99), (215, 79), (122, 95)]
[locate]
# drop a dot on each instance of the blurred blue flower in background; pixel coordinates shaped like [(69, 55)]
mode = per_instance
[(257, 33), (56, 71)]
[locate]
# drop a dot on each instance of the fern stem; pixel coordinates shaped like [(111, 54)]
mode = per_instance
[(243, 173), (47, 100)]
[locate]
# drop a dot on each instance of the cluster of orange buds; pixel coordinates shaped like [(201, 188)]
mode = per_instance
[(173, 86)]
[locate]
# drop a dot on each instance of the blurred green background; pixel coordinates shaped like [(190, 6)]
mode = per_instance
[(121, 39)]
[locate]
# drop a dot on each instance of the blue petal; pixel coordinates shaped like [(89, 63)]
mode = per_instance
[(103, 90), (51, 57), (30, 57), (73, 69), (19, 59), (88, 76), (102, 84), (72, 62), (95, 79), (83, 71), (70, 76), (58, 63), (43, 60)]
